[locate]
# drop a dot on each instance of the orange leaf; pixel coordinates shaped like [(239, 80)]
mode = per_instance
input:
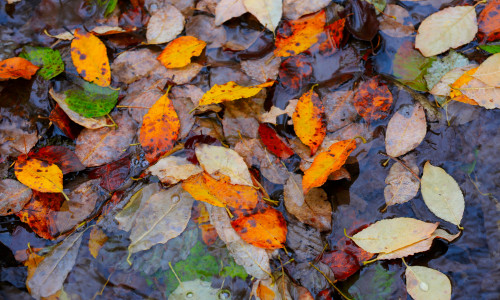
[(202, 218), (265, 229), (329, 41), (297, 36), (326, 163), (456, 94), (265, 293), (39, 175), (90, 58), (231, 91), (373, 100), (197, 187), (96, 241), (160, 129), (308, 120), (16, 67), (32, 263), (489, 22), (178, 52)]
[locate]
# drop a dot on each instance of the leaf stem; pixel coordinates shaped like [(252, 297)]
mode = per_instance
[(329, 281), (403, 164)]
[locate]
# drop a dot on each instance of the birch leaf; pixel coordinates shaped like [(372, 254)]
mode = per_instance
[(448, 28), (442, 195), (402, 185), (165, 24), (406, 130), (228, 9), (391, 234), (424, 283), (172, 169), (268, 12)]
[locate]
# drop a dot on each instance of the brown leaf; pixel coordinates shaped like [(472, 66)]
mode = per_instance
[(13, 196)]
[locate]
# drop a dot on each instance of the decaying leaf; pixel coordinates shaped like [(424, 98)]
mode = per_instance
[(13, 196), (96, 241), (228, 9), (39, 175), (489, 22), (262, 69), (231, 91), (133, 65), (112, 175), (48, 59), (373, 100), (392, 22), (402, 185), (442, 195), (178, 53), (294, 9), (63, 157), (448, 28), (268, 12), (165, 24), (406, 130), (172, 169), (126, 217), (340, 108), (424, 283), (16, 67)]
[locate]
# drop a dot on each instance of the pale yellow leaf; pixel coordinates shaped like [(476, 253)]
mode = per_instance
[(268, 12), (489, 71), (227, 9), (443, 87), (406, 130), (424, 283), (164, 25), (172, 169)]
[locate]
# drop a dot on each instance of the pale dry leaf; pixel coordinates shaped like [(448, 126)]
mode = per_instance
[(13, 196), (195, 290), (133, 65), (263, 68), (406, 130), (442, 195), (424, 283), (268, 12), (17, 135), (392, 22), (294, 9), (126, 217), (185, 74), (271, 115), (443, 87), (489, 71), (106, 29), (228, 9), (164, 25), (402, 185), (203, 27), (448, 28), (485, 95), (172, 169)]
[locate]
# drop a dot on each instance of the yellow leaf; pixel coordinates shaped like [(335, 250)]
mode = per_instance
[(424, 283), (178, 53), (39, 175), (231, 91), (197, 187), (96, 241), (489, 71)]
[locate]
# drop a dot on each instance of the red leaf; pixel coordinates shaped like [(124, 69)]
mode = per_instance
[(373, 100), (489, 22), (61, 156), (296, 72), (342, 264), (64, 123), (273, 142), (113, 174)]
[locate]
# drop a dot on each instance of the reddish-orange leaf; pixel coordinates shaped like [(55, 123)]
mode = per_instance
[(296, 72), (202, 218), (373, 100), (61, 156), (489, 22), (65, 124), (112, 175), (39, 175), (16, 67), (273, 142), (266, 229), (90, 58), (265, 293), (294, 37), (456, 94), (160, 129), (309, 120), (178, 52), (329, 41), (327, 162)]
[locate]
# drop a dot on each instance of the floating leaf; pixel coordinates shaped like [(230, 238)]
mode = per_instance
[(178, 53), (489, 71), (112, 175), (392, 234), (172, 169), (410, 66), (373, 100), (39, 175), (491, 48), (90, 58), (48, 59), (402, 185), (16, 67), (424, 283), (231, 91), (13, 196), (362, 20), (294, 37), (489, 22), (228, 9), (63, 157), (406, 130), (309, 120), (268, 12), (448, 28), (196, 289), (326, 163), (92, 100), (97, 239), (273, 142), (160, 129), (164, 25), (442, 195), (330, 40)]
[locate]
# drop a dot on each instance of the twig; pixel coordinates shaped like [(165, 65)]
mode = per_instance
[(403, 164)]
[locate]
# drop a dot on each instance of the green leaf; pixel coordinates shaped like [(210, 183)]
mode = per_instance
[(378, 4), (92, 100), (491, 48), (110, 5), (49, 60)]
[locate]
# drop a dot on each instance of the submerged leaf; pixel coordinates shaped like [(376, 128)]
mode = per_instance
[(489, 22), (373, 100), (402, 185), (48, 59)]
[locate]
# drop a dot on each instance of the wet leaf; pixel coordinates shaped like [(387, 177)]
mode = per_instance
[(305, 241), (409, 67), (126, 217), (406, 130), (342, 264), (491, 48), (327, 162), (228, 9), (90, 58), (402, 186), (112, 175), (294, 9), (16, 67), (448, 28), (455, 92), (426, 283), (330, 40), (273, 142), (197, 187), (489, 22), (97, 239), (172, 169), (92, 100), (231, 91), (48, 59), (39, 175), (489, 71), (480, 93), (64, 123), (294, 37), (133, 65), (362, 20), (202, 218), (196, 289), (340, 108), (266, 290), (266, 229), (226, 161), (17, 135), (268, 12), (178, 53), (13, 196), (63, 157), (392, 22), (296, 72), (373, 100), (309, 120), (389, 235), (442, 66), (270, 116), (442, 195), (262, 69), (164, 25), (443, 87)]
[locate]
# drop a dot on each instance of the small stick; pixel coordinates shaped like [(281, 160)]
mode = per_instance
[(403, 164)]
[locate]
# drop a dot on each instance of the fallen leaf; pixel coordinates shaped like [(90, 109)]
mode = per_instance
[(406, 130), (91, 100), (266, 229), (440, 67), (97, 239), (228, 9), (126, 217), (296, 72), (410, 66), (482, 94), (133, 65), (270, 116), (197, 187), (448, 28), (39, 175), (32, 263), (402, 186), (196, 289), (17, 135), (202, 218), (425, 283), (342, 263), (493, 49), (489, 71), (327, 162), (172, 169), (51, 273), (273, 142), (203, 27), (314, 280), (489, 22), (48, 59), (330, 39), (304, 240), (455, 92), (266, 290), (60, 119), (13, 196), (392, 22), (442, 195), (112, 175), (16, 67), (160, 129), (226, 161), (89, 55), (373, 100), (164, 25), (231, 91), (308, 120), (443, 87), (289, 290), (294, 9), (178, 53), (313, 209), (63, 157), (340, 108), (389, 235), (294, 37), (268, 12), (262, 69)]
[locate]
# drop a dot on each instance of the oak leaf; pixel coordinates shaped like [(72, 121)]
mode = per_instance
[(178, 53), (17, 67)]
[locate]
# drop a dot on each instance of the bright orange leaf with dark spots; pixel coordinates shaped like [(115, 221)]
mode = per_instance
[(202, 218), (265, 293), (294, 37), (309, 120), (326, 163), (231, 91), (178, 52), (489, 22), (273, 142), (90, 58), (197, 187), (17, 67), (373, 100), (63, 157), (266, 229), (456, 94), (329, 41), (160, 129), (39, 175)]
